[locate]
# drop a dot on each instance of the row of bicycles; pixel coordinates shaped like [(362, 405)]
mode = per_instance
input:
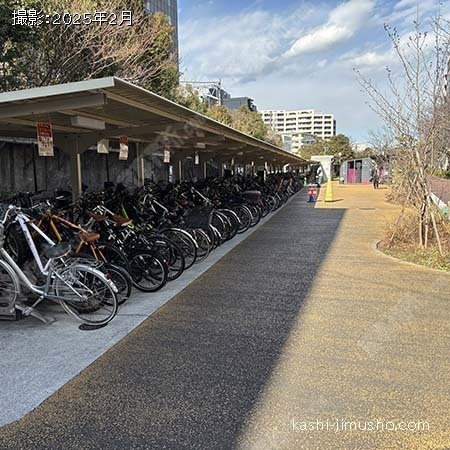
[(88, 256)]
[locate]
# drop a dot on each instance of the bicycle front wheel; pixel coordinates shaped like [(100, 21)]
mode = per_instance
[(185, 242), (86, 294), (121, 279), (148, 271), (9, 287)]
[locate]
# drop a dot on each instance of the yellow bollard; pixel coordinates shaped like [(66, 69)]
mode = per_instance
[(329, 192)]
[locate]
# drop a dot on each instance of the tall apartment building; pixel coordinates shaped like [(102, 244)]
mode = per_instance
[(302, 127), (170, 9)]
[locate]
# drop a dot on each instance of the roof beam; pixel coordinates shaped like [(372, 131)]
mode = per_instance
[(33, 109), (139, 130), (32, 125), (199, 122), (107, 119)]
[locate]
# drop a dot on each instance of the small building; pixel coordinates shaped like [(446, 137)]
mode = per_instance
[(356, 171)]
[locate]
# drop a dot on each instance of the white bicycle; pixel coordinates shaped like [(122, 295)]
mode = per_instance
[(83, 291)]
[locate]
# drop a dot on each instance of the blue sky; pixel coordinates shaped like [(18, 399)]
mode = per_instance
[(291, 54)]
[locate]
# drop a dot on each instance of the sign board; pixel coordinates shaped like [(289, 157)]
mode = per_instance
[(123, 154), (103, 146), (166, 155), (45, 139)]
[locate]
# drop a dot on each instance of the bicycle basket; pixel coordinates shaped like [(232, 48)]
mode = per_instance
[(252, 196), (198, 217)]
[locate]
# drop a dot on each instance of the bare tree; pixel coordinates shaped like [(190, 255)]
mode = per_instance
[(415, 111), (140, 52)]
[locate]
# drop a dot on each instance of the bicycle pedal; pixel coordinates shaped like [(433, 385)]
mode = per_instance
[(24, 309), (27, 311)]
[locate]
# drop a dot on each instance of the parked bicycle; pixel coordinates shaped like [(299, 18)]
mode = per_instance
[(83, 291), (88, 255)]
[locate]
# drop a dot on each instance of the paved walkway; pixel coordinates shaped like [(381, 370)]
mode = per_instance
[(303, 321), (441, 188)]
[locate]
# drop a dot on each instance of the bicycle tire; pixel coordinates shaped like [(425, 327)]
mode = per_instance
[(245, 218), (92, 304), (169, 251), (148, 271), (203, 242), (122, 280), (185, 242), (9, 285), (112, 254), (118, 275)]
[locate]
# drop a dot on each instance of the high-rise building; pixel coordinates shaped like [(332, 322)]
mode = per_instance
[(303, 127), (170, 9), (238, 102)]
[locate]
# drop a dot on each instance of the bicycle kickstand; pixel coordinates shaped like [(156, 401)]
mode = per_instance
[(30, 311)]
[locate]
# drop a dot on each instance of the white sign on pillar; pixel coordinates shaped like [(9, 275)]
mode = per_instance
[(197, 159), (45, 139), (103, 146), (123, 154), (166, 155)]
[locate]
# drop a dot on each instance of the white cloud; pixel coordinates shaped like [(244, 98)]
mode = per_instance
[(239, 47), (405, 3), (320, 39), (369, 59), (405, 12), (246, 51), (343, 22)]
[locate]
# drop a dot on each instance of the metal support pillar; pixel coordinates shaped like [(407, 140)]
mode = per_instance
[(180, 170), (140, 166), (75, 169)]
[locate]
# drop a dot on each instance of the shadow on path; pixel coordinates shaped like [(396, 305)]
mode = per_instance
[(191, 374)]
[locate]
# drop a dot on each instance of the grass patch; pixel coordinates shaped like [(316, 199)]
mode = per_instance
[(429, 257), (405, 246)]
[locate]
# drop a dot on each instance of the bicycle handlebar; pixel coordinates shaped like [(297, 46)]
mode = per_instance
[(11, 210)]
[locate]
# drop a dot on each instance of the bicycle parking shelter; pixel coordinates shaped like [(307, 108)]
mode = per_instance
[(83, 113)]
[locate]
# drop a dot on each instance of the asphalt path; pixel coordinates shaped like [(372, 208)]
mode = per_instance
[(190, 375)]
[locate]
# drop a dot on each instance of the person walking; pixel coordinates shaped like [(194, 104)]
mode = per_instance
[(376, 177)]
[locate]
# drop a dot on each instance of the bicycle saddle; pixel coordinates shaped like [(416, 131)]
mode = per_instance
[(121, 221), (96, 217), (89, 237), (56, 251)]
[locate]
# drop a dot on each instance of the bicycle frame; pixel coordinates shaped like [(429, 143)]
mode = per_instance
[(23, 222), (41, 291), (96, 253)]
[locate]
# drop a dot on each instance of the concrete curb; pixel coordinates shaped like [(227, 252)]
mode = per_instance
[(375, 245)]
